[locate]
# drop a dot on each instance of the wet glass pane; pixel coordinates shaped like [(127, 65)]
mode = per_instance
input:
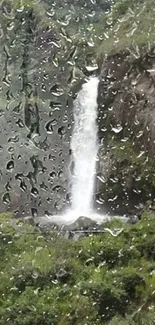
[(77, 171)]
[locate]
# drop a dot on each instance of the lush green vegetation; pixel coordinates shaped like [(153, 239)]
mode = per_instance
[(129, 25), (101, 279)]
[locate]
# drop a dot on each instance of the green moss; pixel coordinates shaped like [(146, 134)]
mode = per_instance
[(18, 4), (132, 29), (55, 276), (5, 217)]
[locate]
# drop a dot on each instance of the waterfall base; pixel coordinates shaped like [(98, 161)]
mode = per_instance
[(70, 217)]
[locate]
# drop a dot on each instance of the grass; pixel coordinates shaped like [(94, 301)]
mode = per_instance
[(132, 31)]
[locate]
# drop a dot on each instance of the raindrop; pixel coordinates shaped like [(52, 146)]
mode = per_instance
[(43, 88), (65, 118), (54, 122), (20, 9), (136, 122), (44, 187), (58, 205), (52, 157), (49, 127), (137, 191), (60, 174), (113, 199), (10, 26), (117, 129), (53, 174), (56, 90), (104, 129), (34, 212), (10, 165), (56, 105), (1, 112), (49, 200), (14, 139), (19, 176), (91, 43), (8, 186), (6, 198), (61, 131), (34, 191), (35, 275), (23, 186), (50, 13), (140, 133), (99, 200), (47, 213), (57, 188), (10, 149), (68, 197), (20, 123), (141, 154)]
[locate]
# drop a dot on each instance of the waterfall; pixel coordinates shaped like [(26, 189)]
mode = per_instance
[(84, 146)]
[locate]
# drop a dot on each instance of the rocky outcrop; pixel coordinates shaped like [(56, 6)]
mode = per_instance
[(37, 72), (127, 136)]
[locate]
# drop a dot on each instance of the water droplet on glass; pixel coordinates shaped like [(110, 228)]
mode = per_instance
[(8, 186), (10, 165), (49, 200), (23, 186), (61, 131), (1, 112), (6, 198), (52, 157), (91, 43), (14, 139), (68, 197), (60, 174), (53, 174), (56, 90), (65, 118), (140, 133), (20, 123), (44, 187), (117, 129), (10, 26), (141, 154), (10, 149), (34, 212), (49, 127), (34, 191)]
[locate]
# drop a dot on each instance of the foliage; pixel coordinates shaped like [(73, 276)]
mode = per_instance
[(45, 278), (131, 27)]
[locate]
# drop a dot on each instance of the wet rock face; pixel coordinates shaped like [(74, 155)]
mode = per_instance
[(35, 116), (126, 97), (126, 131), (82, 223)]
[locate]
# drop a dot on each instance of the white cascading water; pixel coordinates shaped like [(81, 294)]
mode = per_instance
[(84, 145)]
